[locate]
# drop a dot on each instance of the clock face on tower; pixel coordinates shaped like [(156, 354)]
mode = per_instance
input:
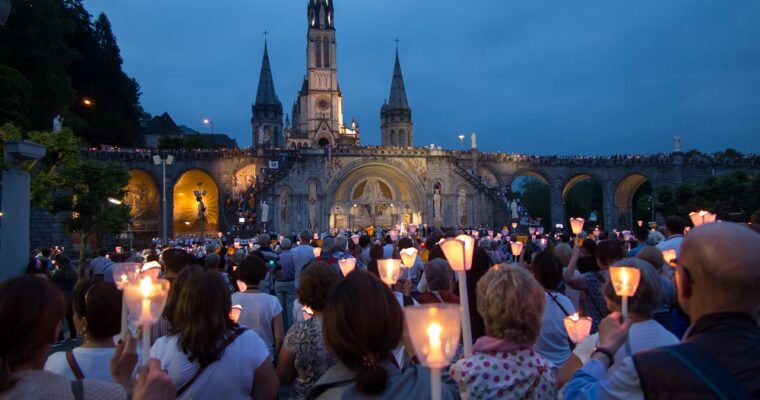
[(323, 103)]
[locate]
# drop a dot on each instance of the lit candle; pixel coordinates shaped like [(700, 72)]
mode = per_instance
[(625, 281), (355, 239), (669, 255), (576, 225), (317, 252), (626, 235), (517, 249), (389, 270), (458, 252), (347, 265), (146, 288), (702, 217), (577, 328), (408, 257), (307, 313), (434, 332)]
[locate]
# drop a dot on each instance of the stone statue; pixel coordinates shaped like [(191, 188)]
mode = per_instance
[(437, 203), (462, 207), (264, 211), (513, 208), (473, 141), (372, 191), (284, 210), (57, 123), (676, 143), (312, 205)]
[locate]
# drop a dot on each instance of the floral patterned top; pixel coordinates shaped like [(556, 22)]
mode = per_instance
[(304, 340), (518, 374)]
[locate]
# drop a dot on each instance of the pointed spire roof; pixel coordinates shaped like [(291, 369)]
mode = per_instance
[(397, 99), (266, 93)]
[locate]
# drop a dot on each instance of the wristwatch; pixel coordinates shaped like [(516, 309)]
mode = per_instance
[(606, 352)]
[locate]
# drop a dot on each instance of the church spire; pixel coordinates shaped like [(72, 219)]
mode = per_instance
[(397, 99), (266, 93)]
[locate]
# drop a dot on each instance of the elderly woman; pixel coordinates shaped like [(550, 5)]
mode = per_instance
[(645, 332), (504, 363), (439, 275)]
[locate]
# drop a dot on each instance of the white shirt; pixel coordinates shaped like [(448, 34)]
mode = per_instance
[(673, 242), (642, 336), (94, 363), (302, 255), (230, 377), (552, 343), (258, 311)]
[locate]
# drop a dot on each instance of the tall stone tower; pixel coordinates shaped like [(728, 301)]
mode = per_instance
[(396, 125), (318, 111), (266, 121)]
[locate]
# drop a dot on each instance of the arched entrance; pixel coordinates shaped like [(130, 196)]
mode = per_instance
[(532, 191), (633, 201), (196, 204), (582, 197), (378, 193), (142, 198)]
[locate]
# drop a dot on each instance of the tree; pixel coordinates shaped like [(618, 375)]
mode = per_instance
[(15, 103), (584, 198), (534, 195), (64, 182), (89, 184), (734, 197)]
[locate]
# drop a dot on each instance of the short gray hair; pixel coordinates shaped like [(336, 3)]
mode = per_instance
[(212, 261), (439, 274)]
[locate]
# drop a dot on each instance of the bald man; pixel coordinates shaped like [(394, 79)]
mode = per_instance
[(718, 285)]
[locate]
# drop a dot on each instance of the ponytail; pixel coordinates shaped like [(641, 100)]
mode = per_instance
[(372, 378)]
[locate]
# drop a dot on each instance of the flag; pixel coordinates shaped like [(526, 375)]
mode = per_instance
[(274, 164)]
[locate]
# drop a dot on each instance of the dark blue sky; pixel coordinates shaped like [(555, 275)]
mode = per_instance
[(534, 76)]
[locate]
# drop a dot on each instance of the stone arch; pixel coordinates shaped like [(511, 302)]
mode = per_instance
[(591, 208), (186, 215), (625, 190), (407, 193), (535, 190), (143, 198)]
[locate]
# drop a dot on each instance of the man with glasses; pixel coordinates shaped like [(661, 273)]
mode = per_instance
[(718, 285)]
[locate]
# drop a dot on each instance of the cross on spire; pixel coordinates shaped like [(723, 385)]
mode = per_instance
[(396, 45), (266, 33)]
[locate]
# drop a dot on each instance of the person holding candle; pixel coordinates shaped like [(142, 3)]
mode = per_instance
[(439, 276), (208, 355), (553, 343), (504, 364), (717, 279), (645, 332), (303, 357), (362, 324), (674, 231), (262, 312), (590, 283), (97, 306), (30, 313)]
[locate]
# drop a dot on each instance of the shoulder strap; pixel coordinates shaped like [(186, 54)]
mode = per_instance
[(77, 389), (239, 331), (73, 365), (564, 311), (707, 370)]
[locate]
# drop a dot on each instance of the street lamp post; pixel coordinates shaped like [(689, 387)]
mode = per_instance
[(461, 142), (157, 160), (207, 121)]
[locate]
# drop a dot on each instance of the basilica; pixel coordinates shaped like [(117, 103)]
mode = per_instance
[(308, 168)]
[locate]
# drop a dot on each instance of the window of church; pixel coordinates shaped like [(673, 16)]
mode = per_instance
[(318, 47), (327, 54)]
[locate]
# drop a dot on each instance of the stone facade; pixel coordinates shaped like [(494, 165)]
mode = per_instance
[(406, 178)]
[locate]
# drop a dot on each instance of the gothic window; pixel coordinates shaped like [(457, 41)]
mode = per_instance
[(327, 54), (318, 46), (401, 138), (392, 138)]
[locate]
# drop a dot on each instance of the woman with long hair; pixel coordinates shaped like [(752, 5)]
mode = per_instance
[(208, 355), (30, 313), (362, 325)]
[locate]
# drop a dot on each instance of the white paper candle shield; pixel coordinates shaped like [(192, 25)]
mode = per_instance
[(702, 217), (408, 256), (625, 280), (576, 224), (669, 255), (389, 270), (516, 247), (146, 299), (235, 312), (317, 252), (577, 327), (347, 265), (434, 331)]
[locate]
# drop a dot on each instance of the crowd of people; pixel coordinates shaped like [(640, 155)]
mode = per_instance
[(277, 317)]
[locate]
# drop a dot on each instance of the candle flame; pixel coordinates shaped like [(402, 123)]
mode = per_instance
[(574, 317), (123, 277), (146, 286), (434, 333)]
